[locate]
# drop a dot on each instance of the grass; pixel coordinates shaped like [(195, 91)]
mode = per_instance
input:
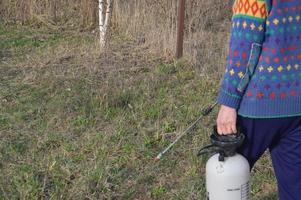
[(18, 40), (74, 127)]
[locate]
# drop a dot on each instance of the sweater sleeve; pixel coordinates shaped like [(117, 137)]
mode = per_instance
[(247, 35)]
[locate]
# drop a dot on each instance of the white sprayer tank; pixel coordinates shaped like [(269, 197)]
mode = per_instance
[(228, 179)]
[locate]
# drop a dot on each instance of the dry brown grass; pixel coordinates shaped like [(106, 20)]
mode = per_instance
[(136, 16), (156, 21), (51, 13), (150, 22)]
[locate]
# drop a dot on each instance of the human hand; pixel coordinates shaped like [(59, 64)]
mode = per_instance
[(226, 120)]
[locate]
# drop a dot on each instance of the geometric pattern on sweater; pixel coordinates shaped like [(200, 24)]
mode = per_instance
[(251, 8), (273, 88)]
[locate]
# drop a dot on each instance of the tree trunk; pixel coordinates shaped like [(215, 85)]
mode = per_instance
[(104, 19), (101, 23)]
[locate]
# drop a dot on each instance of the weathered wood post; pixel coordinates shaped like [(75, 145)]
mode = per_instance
[(180, 34)]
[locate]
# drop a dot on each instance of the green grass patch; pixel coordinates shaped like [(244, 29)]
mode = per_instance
[(19, 40), (93, 135)]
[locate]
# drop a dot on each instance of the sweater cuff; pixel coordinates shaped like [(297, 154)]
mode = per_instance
[(227, 99)]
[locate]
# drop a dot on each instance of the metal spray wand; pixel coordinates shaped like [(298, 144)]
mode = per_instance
[(204, 112)]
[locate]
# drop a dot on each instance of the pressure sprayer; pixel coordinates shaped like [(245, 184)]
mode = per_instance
[(227, 172)]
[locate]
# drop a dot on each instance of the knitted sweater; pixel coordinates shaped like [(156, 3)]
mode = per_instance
[(263, 70)]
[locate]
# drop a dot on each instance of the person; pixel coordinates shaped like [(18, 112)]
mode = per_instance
[(261, 87)]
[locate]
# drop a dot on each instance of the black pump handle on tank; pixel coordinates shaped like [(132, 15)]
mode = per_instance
[(225, 145)]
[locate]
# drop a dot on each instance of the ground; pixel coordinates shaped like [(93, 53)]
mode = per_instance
[(80, 123)]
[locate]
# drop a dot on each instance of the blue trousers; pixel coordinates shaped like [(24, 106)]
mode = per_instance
[(282, 136)]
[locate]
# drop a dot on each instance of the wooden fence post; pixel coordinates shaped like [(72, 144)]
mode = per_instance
[(180, 34)]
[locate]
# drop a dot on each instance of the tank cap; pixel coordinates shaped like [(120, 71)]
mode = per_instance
[(225, 145), (227, 141)]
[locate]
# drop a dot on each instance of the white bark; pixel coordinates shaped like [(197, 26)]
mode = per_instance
[(102, 32), (108, 13), (104, 19)]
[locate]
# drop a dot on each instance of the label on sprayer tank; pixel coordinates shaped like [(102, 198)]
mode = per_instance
[(243, 190)]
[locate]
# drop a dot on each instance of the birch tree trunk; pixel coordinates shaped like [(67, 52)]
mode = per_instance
[(105, 10)]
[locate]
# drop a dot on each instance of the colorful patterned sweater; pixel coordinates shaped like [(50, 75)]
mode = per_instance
[(263, 70)]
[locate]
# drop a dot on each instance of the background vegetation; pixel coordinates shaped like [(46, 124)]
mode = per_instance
[(153, 22), (80, 123)]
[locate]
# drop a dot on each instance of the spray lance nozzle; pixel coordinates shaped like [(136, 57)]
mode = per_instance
[(204, 112), (225, 145)]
